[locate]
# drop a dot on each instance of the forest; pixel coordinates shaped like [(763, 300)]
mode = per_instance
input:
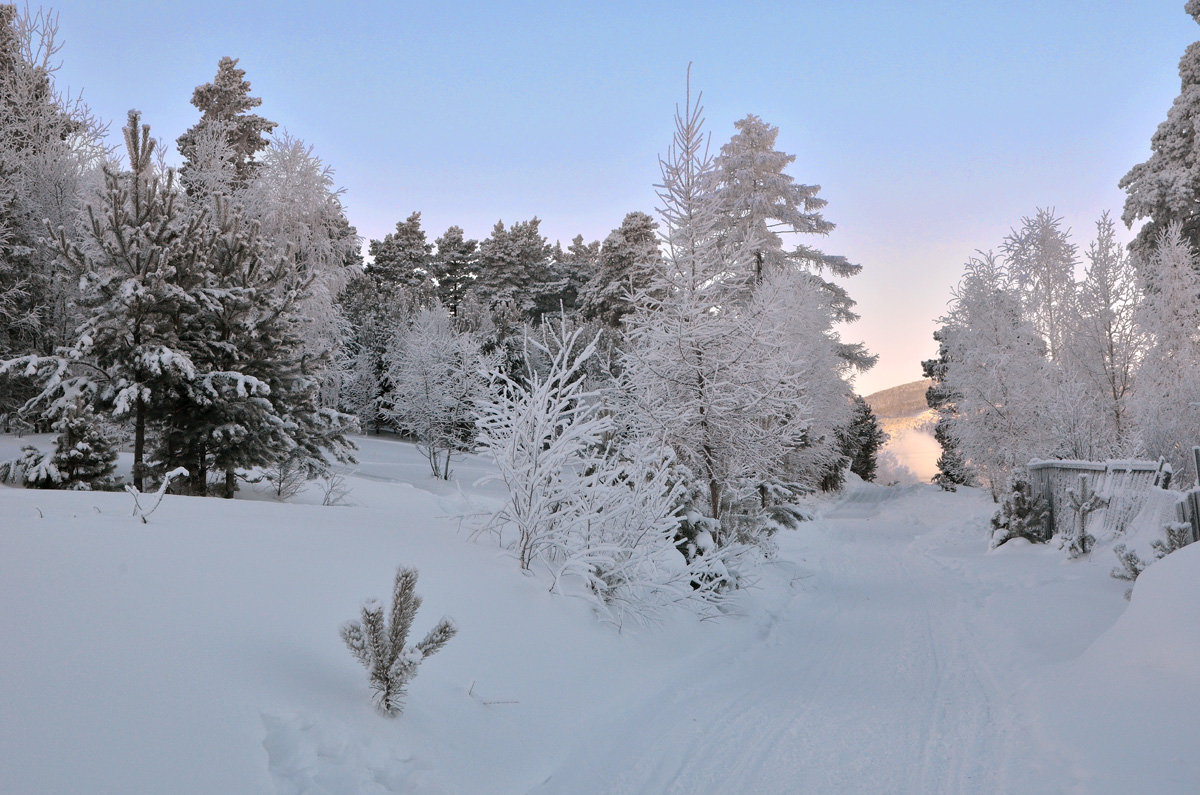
[(663, 424)]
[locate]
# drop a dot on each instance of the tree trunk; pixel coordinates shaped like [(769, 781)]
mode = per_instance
[(139, 443), (230, 484)]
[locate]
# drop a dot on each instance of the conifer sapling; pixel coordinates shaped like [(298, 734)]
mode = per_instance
[(379, 646)]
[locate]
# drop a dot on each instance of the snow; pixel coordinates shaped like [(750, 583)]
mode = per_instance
[(885, 649)]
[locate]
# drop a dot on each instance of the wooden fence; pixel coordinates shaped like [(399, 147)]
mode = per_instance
[(1127, 487)]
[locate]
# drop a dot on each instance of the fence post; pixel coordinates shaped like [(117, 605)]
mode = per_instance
[(1193, 498)]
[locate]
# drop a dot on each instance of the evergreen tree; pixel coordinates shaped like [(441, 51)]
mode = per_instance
[(253, 400), (952, 469), (85, 452), (627, 261), (137, 267), (1021, 514), (452, 267), (402, 259), (729, 377), (1166, 187), (570, 272), (224, 104), (758, 201), (862, 440), (513, 264)]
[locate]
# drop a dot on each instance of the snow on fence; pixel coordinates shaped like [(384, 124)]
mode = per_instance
[(1134, 491)]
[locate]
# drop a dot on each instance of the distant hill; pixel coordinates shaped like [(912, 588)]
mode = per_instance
[(906, 400)]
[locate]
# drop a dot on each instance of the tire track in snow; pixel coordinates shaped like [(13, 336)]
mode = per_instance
[(867, 679)]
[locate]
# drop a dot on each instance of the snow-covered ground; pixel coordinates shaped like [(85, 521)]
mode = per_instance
[(884, 650)]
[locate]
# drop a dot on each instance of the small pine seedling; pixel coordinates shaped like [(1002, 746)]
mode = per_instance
[(380, 647)]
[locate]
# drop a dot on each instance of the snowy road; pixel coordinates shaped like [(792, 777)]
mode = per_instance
[(877, 673)]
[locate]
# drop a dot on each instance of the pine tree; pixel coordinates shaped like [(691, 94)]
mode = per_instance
[(137, 267), (381, 647), (452, 267), (627, 260), (1166, 187), (730, 378), (85, 452), (862, 440), (569, 273), (224, 104), (759, 201), (402, 259), (952, 469), (1021, 514), (253, 400), (513, 264)]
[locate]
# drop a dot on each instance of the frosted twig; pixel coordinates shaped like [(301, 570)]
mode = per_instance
[(132, 491)]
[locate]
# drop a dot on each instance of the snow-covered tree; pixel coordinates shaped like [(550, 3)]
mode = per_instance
[(254, 398), (50, 157), (436, 377), (402, 259), (301, 219), (225, 104), (602, 516), (727, 376), (627, 259), (1106, 341), (85, 451), (759, 202), (513, 264), (1041, 263), (136, 265), (536, 430), (451, 267), (863, 439), (381, 645), (570, 272), (1166, 401), (1166, 187), (996, 374)]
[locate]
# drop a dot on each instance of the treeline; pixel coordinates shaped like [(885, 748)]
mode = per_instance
[(1035, 363), (191, 310), (655, 401)]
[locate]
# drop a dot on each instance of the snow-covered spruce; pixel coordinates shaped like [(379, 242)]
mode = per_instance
[(380, 645), (1022, 514)]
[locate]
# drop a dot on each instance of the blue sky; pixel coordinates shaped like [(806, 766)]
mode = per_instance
[(932, 127)]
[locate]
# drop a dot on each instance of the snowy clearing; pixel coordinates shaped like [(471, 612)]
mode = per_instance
[(884, 650)]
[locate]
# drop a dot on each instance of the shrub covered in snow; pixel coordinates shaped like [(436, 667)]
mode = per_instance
[(85, 452), (380, 646), (1021, 513), (1176, 535)]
